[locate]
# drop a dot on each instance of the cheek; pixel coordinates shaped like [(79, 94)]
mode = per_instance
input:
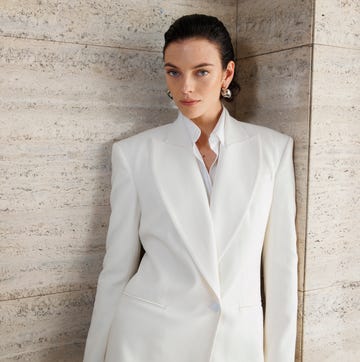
[(212, 86), (172, 86), (214, 81), (168, 80)]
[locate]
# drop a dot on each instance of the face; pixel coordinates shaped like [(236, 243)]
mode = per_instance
[(195, 76)]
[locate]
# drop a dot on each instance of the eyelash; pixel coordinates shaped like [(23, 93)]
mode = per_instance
[(200, 73), (172, 73)]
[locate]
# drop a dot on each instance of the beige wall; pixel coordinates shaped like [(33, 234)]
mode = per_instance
[(300, 75), (332, 288), (274, 52), (75, 76)]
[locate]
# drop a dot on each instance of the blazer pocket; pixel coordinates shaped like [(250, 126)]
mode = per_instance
[(249, 306), (145, 301)]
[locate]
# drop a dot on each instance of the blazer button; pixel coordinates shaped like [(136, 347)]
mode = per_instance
[(215, 307)]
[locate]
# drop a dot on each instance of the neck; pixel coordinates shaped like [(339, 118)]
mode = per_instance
[(207, 123)]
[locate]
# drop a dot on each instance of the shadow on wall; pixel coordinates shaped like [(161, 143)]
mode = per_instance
[(246, 101)]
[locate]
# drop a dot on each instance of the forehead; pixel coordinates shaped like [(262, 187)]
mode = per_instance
[(192, 51)]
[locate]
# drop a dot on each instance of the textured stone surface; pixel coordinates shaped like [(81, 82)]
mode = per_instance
[(68, 352), (337, 23), (331, 324), (332, 300), (79, 76), (130, 24), (51, 251), (298, 351), (41, 326), (275, 94), (62, 106), (333, 244), (61, 109), (268, 26)]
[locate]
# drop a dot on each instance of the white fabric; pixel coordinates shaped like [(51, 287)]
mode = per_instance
[(216, 141), (195, 295)]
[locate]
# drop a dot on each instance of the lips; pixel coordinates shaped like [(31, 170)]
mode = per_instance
[(189, 102)]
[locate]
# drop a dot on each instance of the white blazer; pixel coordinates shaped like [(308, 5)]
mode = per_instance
[(195, 297)]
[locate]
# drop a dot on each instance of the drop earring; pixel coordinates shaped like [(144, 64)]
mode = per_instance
[(226, 92), (169, 94)]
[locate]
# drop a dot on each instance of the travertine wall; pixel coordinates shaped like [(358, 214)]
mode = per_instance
[(300, 75), (332, 284), (75, 76)]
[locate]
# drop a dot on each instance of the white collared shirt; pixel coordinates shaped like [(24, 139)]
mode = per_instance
[(216, 140)]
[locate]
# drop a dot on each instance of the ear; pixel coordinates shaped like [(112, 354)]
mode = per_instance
[(228, 74)]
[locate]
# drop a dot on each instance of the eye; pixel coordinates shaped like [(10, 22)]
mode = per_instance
[(173, 73), (202, 72)]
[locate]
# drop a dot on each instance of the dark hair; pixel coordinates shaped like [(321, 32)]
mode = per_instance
[(209, 28)]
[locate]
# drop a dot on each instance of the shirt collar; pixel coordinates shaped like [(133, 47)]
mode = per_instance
[(218, 132)]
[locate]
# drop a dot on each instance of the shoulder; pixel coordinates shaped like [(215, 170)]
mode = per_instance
[(269, 138), (265, 133), (273, 144), (137, 142)]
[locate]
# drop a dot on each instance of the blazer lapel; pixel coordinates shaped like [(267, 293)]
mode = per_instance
[(235, 180), (182, 189)]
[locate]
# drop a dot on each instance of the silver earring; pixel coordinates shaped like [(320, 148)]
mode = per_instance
[(226, 92), (169, 94)]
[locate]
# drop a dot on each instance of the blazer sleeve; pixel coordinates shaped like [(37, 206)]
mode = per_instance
[(280, 260), (121, 258)]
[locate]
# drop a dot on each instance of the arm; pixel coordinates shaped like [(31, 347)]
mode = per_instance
[(121, 258), (280, 266)]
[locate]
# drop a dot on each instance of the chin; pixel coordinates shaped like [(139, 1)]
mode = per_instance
[(191, 113)]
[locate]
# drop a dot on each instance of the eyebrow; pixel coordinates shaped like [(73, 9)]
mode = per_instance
[(196, 66)]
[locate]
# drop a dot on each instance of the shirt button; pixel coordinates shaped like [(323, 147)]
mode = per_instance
[(215, 307)]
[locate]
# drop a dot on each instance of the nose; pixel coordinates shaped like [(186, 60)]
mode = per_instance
[(187, 85)]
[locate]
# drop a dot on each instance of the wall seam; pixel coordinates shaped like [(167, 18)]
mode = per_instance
[(311, 79), (50, 41), (337, 46), (276, 51), (34, 296)]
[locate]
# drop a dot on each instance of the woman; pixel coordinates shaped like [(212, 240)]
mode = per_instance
[(210, 199)]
